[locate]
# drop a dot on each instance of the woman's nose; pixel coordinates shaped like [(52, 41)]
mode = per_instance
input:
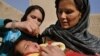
[(36, 21), (63, 15)]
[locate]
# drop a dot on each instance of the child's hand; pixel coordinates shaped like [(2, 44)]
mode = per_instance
[(59, 44), (51, 51)]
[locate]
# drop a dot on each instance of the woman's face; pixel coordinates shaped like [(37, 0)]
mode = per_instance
[(26, 46), (35, 16), (67, 13)]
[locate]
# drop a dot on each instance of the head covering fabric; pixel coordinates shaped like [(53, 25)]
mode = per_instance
[(76, 38)]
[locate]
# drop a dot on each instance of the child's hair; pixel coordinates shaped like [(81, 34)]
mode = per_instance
[(24, 36)]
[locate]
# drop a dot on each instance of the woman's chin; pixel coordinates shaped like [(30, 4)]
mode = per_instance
[(65, 27)]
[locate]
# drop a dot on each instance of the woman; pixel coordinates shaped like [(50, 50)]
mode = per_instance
[(71, 27), (31, 20), (25, 25)]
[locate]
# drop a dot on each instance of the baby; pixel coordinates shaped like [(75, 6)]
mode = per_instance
[(30, 47)]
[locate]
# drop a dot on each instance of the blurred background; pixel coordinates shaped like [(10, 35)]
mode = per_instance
[(23, 4)]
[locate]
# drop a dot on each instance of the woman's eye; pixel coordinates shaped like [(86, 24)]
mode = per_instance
[(39, 20), (33, 17), (68, 11)]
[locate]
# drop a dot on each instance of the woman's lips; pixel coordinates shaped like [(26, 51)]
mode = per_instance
[(65, 23)]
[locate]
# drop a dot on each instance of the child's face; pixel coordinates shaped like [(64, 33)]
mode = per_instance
[(26, 46)]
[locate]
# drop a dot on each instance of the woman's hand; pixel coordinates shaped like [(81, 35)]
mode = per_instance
[(29, 27), (51, 51)]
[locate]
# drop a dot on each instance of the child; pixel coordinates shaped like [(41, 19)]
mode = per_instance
[(26, 46)]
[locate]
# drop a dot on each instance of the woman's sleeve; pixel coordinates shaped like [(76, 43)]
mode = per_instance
[(10, 37), (3, 22), (1, 26)]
